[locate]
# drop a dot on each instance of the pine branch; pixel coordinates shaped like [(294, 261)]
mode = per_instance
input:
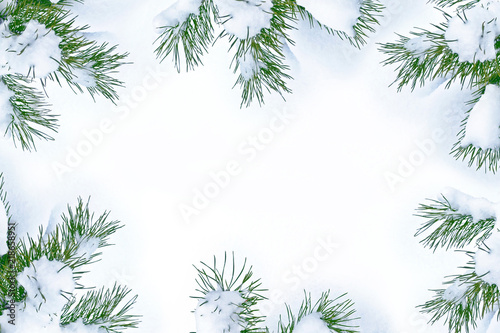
[(464, 4), (191, 37), (449, 228), (336, 315), (104, 308), (463, 312), (230, 279), (30, 117), (370, 13), (64, 243)]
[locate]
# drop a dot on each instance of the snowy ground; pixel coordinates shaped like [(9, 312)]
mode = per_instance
[(323, 201)]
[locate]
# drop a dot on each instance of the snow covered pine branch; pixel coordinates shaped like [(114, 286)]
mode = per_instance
[(229, 298), (258, 32), (464, 48), (39, 277), (39, 41), (470, 300)]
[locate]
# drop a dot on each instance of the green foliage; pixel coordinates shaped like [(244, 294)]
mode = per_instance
[(30, 116), (476, 298), (336, 314), (438, 61), (450, 229), (211, 278), (196, 33), (107, 308)]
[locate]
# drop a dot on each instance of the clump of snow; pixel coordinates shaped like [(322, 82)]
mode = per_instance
[(473, 37), (219, 311), (44, 281), (456, 292), (312, 323), (478, 208), (418, 45), (177, 13), (35, 52), (86, 246), (488, 262), (336, 14), (245, 18), (483, 124), (248, 66), (84, 76)]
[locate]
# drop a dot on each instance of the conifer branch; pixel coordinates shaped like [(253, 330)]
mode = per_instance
[(336, 314), (451, 229)]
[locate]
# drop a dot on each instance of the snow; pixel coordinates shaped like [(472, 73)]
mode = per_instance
[(44, 281), (177, 13), (487, 262), (35, 52), (473, 39), (248, 66), (5, 107), (218, 312), (310, 209), (312, 323), (456, 292), (478, 208), (418, 45), (483, 125), (3, 230), (245, 18), (337, 14), (84, 76), (87, 246)]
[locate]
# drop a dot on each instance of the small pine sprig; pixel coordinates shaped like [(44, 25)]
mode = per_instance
[(229, 278), (64, 242), (336, 314), (450, 229), (370, 11), (462, 312), (31, 118), (106, 308), (195, 34)]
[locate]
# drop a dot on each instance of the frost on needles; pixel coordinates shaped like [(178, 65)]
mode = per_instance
[(257, 32), (471, 299), (39, 277), (39, 42), (463, 48), (229, 297)]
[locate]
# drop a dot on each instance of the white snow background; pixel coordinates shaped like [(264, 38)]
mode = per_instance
[(310, 208)]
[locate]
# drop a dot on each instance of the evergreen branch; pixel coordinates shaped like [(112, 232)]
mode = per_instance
[(370, 11), (336, 315), (451, 229), (103, 308), (195, 34), (212, 278), (481, 157), (67, 241), (30, 114), (462, 312)]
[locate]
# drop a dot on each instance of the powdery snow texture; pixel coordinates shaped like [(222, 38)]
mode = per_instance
[(311, 323), (488, 262), (337, 14), (473, 39), (245, 18), (483, 125), (35, 52), (219, 312), (177, 13), (478, 208)]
